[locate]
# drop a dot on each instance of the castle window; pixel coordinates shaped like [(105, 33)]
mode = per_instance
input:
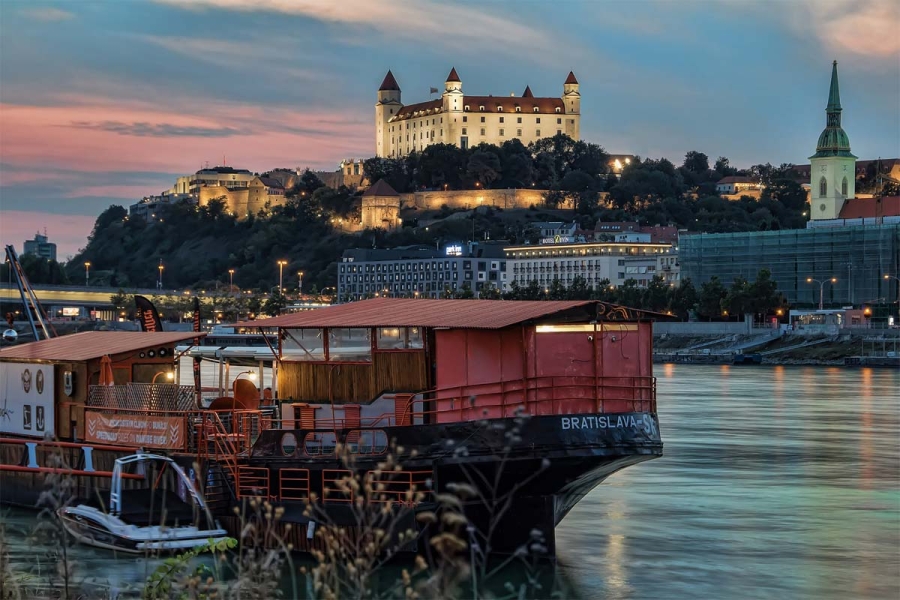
[(537, 120), (557, 109), (482, 131), (481, 108), (518, 109), (518, 119), (501, 133), (538, 133), (501, 119), (499, 108), (558, 131), (518, 133), (559, 121), (844, 187), (482, 119), (465, 132), (823, 188), (465, 119), (536, 109), (466, 108)]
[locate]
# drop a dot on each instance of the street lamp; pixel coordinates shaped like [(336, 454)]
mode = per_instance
[(281, 264), (300, 282), (159, 281), (230, 280), (87, 273), (821, 283)]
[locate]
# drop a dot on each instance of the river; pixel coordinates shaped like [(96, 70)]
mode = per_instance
[(777, 482)]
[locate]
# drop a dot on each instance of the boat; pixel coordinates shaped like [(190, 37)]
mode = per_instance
[(166, 515), (532, 402)]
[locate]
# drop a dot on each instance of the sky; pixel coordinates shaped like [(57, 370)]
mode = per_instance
[(104, 102)]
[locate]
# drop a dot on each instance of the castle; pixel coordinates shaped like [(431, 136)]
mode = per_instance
[(465, 121)]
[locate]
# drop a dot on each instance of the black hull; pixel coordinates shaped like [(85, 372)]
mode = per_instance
[(537, 468)]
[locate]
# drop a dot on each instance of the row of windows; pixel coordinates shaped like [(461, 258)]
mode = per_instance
[(823, 187), (403, 288), (390, 267), (429, 276), (523, 254), (467, 108)]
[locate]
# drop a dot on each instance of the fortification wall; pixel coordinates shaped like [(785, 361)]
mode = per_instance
[(507, 199)]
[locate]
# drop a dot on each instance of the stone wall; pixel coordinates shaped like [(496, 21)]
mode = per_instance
[(468, 199), (243, 201)]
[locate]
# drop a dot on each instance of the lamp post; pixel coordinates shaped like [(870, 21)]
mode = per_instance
[(821, 283), (87, 273), (300, 282), (159, 281), (281, 264), (230, 281)]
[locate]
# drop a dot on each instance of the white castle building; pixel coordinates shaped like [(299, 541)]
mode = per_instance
[(464, 121)]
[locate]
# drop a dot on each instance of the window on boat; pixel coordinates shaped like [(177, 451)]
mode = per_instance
[(288, 444), (319, 443), (367, 441), (349, 344), (399, 338), (303, 344)]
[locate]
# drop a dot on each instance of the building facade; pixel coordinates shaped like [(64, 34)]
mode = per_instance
[(465, 121), (421, 271), (40, 246), (858, 257), (594, 262)]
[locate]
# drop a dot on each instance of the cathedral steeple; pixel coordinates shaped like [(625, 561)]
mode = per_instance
[(833, 141)]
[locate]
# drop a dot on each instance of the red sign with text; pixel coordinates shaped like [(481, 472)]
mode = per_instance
[(140, 431)]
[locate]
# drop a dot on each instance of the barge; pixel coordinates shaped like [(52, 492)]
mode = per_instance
[(529, 405)]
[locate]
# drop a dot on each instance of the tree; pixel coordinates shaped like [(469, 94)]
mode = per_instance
[(763, 294), (696, 162), (274, 304), (120, 300), (737, 301), (656, 295), (483, 167), (441, 164), (683, 298), (723, 167), (711, 295), (581, 190)]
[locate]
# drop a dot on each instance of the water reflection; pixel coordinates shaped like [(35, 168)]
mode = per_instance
[(776, 482)]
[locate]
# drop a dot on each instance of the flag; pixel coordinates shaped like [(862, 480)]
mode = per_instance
[(433, 91), (197, 389), (147, 314)]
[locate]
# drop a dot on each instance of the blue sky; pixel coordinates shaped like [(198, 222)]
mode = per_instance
[(103, 102)]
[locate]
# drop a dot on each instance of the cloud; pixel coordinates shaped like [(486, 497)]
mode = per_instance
[(145, 129), (47, 14), (461, 27)]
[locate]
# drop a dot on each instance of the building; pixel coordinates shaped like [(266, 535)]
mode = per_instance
[(853, 241), (632, 231), (260, 194), (735, 184), (381, 207), (149, 206), (465, 121), (890, 167), (226, 177), (40, 246), (421, 271), (594, 262), (559, 231)]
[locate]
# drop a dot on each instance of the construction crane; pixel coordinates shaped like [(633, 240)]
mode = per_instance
[(41, 327)]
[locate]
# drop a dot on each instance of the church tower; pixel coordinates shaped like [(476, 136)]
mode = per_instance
[(387, 106), (832, 171), (452, 107), (572, 102)]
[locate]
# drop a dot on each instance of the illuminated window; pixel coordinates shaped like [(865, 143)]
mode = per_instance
[(536, 109), (499, 109), (519, 109)]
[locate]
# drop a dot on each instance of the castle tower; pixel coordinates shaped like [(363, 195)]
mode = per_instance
[(832, 168), (387, 106), (572, 102), (452, 107)]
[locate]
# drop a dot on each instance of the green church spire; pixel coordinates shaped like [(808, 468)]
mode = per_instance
[(833, 141), (834, 93)]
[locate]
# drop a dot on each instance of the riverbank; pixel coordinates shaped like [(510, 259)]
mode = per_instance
[(864, 348)]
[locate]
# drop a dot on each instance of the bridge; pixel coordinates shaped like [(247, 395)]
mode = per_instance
[(72, 300)]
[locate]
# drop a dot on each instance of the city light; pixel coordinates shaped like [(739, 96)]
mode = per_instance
[(87, 273), (821, 283), (281, 264)]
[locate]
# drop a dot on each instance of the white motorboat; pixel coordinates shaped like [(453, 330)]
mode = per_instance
[(165, 513)]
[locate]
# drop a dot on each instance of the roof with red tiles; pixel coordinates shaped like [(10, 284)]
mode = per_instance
[(571, 78), (453, 76), (527, 93), (380, 188), (389, 83), (870, 208), (89, 345), (451, 314)]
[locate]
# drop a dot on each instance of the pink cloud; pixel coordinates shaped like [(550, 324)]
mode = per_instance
[(68, 232)]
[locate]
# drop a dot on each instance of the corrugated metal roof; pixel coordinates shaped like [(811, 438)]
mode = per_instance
[(93, 344), (412, 312)]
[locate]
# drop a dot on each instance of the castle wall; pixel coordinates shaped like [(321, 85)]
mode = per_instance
[(243, 201), (468, 199)]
